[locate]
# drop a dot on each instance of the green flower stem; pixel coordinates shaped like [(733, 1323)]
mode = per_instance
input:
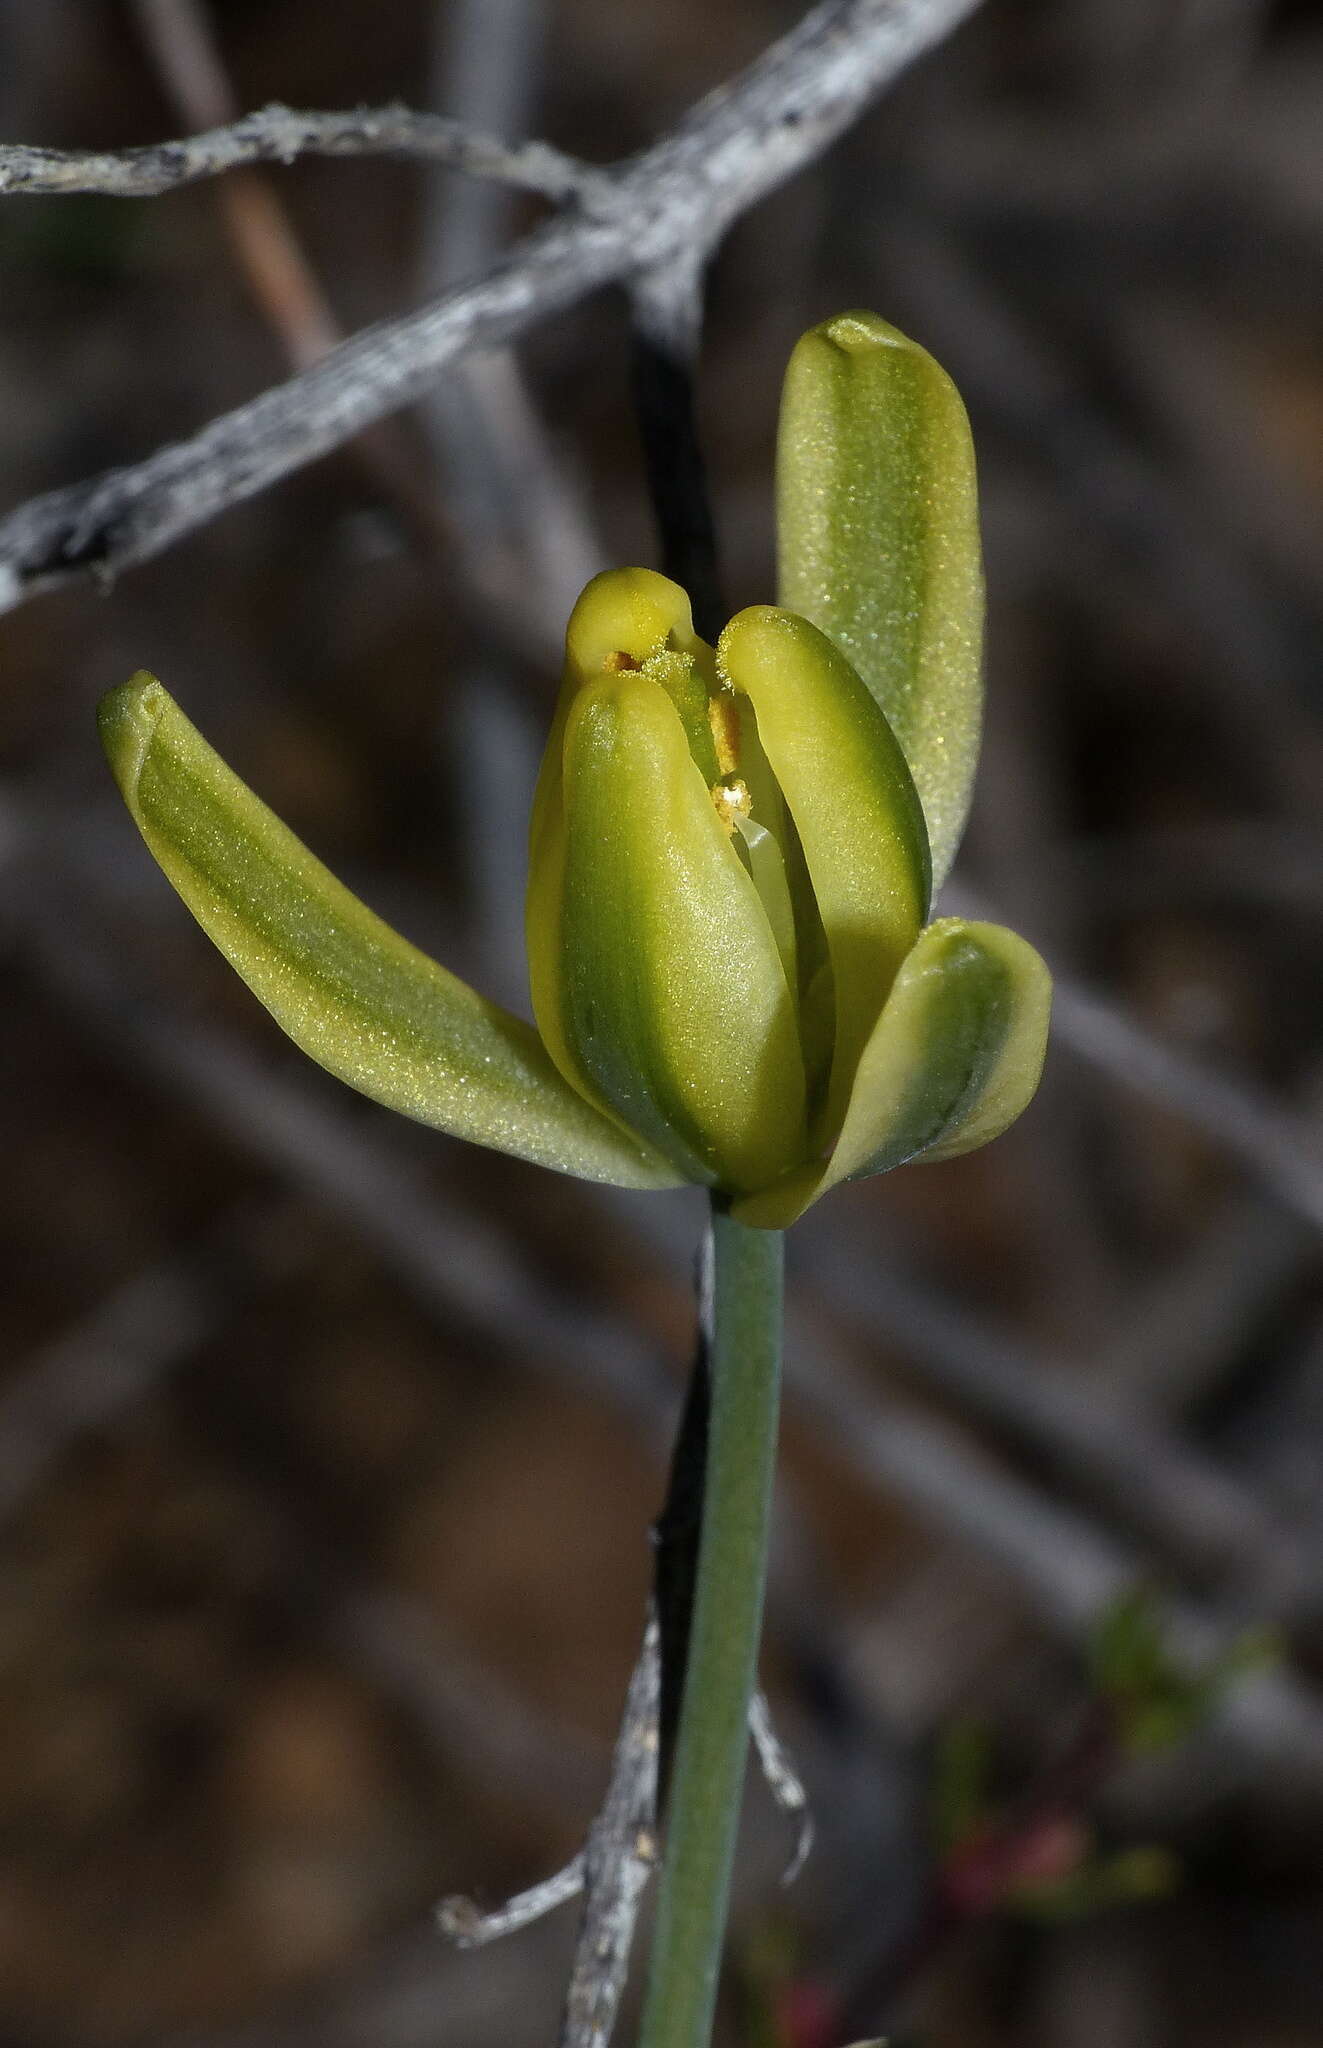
[(712, 1743)]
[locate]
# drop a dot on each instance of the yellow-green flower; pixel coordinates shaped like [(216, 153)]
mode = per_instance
[(731, 860)]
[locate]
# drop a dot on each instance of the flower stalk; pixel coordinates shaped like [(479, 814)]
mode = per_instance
[(712, 1742)]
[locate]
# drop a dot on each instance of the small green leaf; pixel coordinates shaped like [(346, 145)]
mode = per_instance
[(1157, 1700), (962, 1768), (955, 1057), (847, 788), (652, 957), (358, 998), (1126, 1654), (1131, 1877), (877, 526)]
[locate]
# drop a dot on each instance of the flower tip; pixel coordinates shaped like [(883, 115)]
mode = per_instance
[(127, 719), (855, 332), (625, 611), (760, 633)]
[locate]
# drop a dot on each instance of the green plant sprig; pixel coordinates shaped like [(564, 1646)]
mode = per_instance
[(734, 975)]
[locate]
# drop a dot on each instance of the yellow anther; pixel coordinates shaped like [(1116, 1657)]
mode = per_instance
[(723, 715), (732, 800)]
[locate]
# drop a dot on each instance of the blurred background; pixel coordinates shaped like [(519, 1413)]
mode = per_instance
[(328, 1447)]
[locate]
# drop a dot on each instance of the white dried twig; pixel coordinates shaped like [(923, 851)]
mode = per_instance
[(279, 135), (783, 1782), (674, 202), (618, 1861), (463, 1921)]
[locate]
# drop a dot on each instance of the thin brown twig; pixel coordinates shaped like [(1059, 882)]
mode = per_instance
[(283, 283), (510, 489), (178, 36)]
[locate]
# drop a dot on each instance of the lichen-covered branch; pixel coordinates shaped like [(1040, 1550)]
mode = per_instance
[(670, 204), (279, 135)]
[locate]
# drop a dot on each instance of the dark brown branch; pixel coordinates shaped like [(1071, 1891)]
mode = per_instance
[(667, 307)]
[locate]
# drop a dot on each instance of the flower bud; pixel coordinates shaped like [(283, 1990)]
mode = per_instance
[(657, 981), (728, 882), (731, 856)]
